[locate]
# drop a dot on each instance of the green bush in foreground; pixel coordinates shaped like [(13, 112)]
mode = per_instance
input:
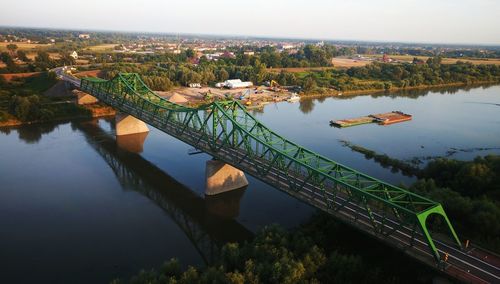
[(276, 255)]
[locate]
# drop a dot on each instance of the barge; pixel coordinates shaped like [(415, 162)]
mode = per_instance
[(381, 118), (391, 117), (352, 121)]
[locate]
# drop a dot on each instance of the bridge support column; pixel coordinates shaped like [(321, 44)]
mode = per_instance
[(127, 124), (221, 177), (83, 98)]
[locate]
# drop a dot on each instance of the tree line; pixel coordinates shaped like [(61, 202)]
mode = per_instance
[(375, 76)]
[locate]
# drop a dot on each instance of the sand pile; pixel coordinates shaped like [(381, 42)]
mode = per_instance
[(177, 98)]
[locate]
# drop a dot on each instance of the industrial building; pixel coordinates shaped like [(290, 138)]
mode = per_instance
[(234, 84)]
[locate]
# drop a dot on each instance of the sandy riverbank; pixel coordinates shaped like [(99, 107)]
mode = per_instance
[(249, 96)]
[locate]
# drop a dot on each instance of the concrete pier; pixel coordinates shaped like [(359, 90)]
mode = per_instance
[(127, 124), (221, 177), (83, 98)]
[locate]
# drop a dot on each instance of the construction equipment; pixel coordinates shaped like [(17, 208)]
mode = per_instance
[(274, 86), (208, 96), (245, 94)]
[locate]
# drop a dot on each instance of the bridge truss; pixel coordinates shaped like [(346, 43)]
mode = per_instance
[(225, 130)]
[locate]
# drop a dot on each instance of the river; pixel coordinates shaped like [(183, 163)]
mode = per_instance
[(76, 208)]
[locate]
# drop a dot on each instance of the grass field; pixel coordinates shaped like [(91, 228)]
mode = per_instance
[(21, 45), (53, 55), (102, 47), (336, 61), (298, 69), (348, 63), (10, 76), (446, 60)]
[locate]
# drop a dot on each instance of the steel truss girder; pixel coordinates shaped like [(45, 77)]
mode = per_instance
[(226, 126)]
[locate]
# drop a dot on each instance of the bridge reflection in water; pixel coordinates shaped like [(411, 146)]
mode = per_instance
[(208, 223)]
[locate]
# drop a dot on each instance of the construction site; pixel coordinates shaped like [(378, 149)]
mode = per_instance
[(248, 95)]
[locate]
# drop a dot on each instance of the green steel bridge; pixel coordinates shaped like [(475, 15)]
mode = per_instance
[(226, 131)]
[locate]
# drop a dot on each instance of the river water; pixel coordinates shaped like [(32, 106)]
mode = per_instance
[(77, 208)]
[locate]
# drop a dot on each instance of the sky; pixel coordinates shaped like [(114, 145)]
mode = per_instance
[(423, 21)]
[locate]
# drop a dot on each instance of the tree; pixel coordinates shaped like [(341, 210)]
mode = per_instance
[(12, 48), (67, 59), (7, 59), (190, 53), (25, 108), (309, 84), (22, 56), (43, 61), (222, 75)]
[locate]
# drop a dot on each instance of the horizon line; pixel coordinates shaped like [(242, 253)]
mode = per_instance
[(257, 36)]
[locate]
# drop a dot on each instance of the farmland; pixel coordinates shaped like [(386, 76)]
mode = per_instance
[(22, 45), (445, 60)]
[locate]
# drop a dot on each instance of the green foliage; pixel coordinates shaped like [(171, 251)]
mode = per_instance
[(190, 53), (21, 54), (475, 219), (309, 84), (67, 59), (469, 178), (430, 73), (3, 115), (376, 76), (9, 61), (21, 98), (43, 61), (25, 108), (12, 48), (275, 255)]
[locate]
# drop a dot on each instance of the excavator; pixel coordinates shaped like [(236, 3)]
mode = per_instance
[(274, 86)]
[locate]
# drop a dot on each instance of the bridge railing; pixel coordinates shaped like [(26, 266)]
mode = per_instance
[(220, 127)]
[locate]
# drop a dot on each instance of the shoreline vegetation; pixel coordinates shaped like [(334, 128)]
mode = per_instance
[(327, 94), (41, 98), (314, 252), (8, 116), (469, 190)]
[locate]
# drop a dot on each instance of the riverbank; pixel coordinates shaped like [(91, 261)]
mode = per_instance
[(194, 97), (95, 111), (314, 95)]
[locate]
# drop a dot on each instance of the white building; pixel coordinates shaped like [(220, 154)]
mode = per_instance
[(84, 36), (74, 55), (233, 84)]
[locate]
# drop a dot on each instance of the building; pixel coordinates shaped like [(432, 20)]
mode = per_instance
[(74, 55), (228, 54), (234, 84), (84, 36), (249, 53)]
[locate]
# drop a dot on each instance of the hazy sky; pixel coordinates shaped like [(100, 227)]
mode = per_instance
[(439, 21)]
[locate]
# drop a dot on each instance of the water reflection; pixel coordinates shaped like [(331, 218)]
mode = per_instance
[(408, 93), (31, 134), (133, 142), (208, 223), (306, 106)]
